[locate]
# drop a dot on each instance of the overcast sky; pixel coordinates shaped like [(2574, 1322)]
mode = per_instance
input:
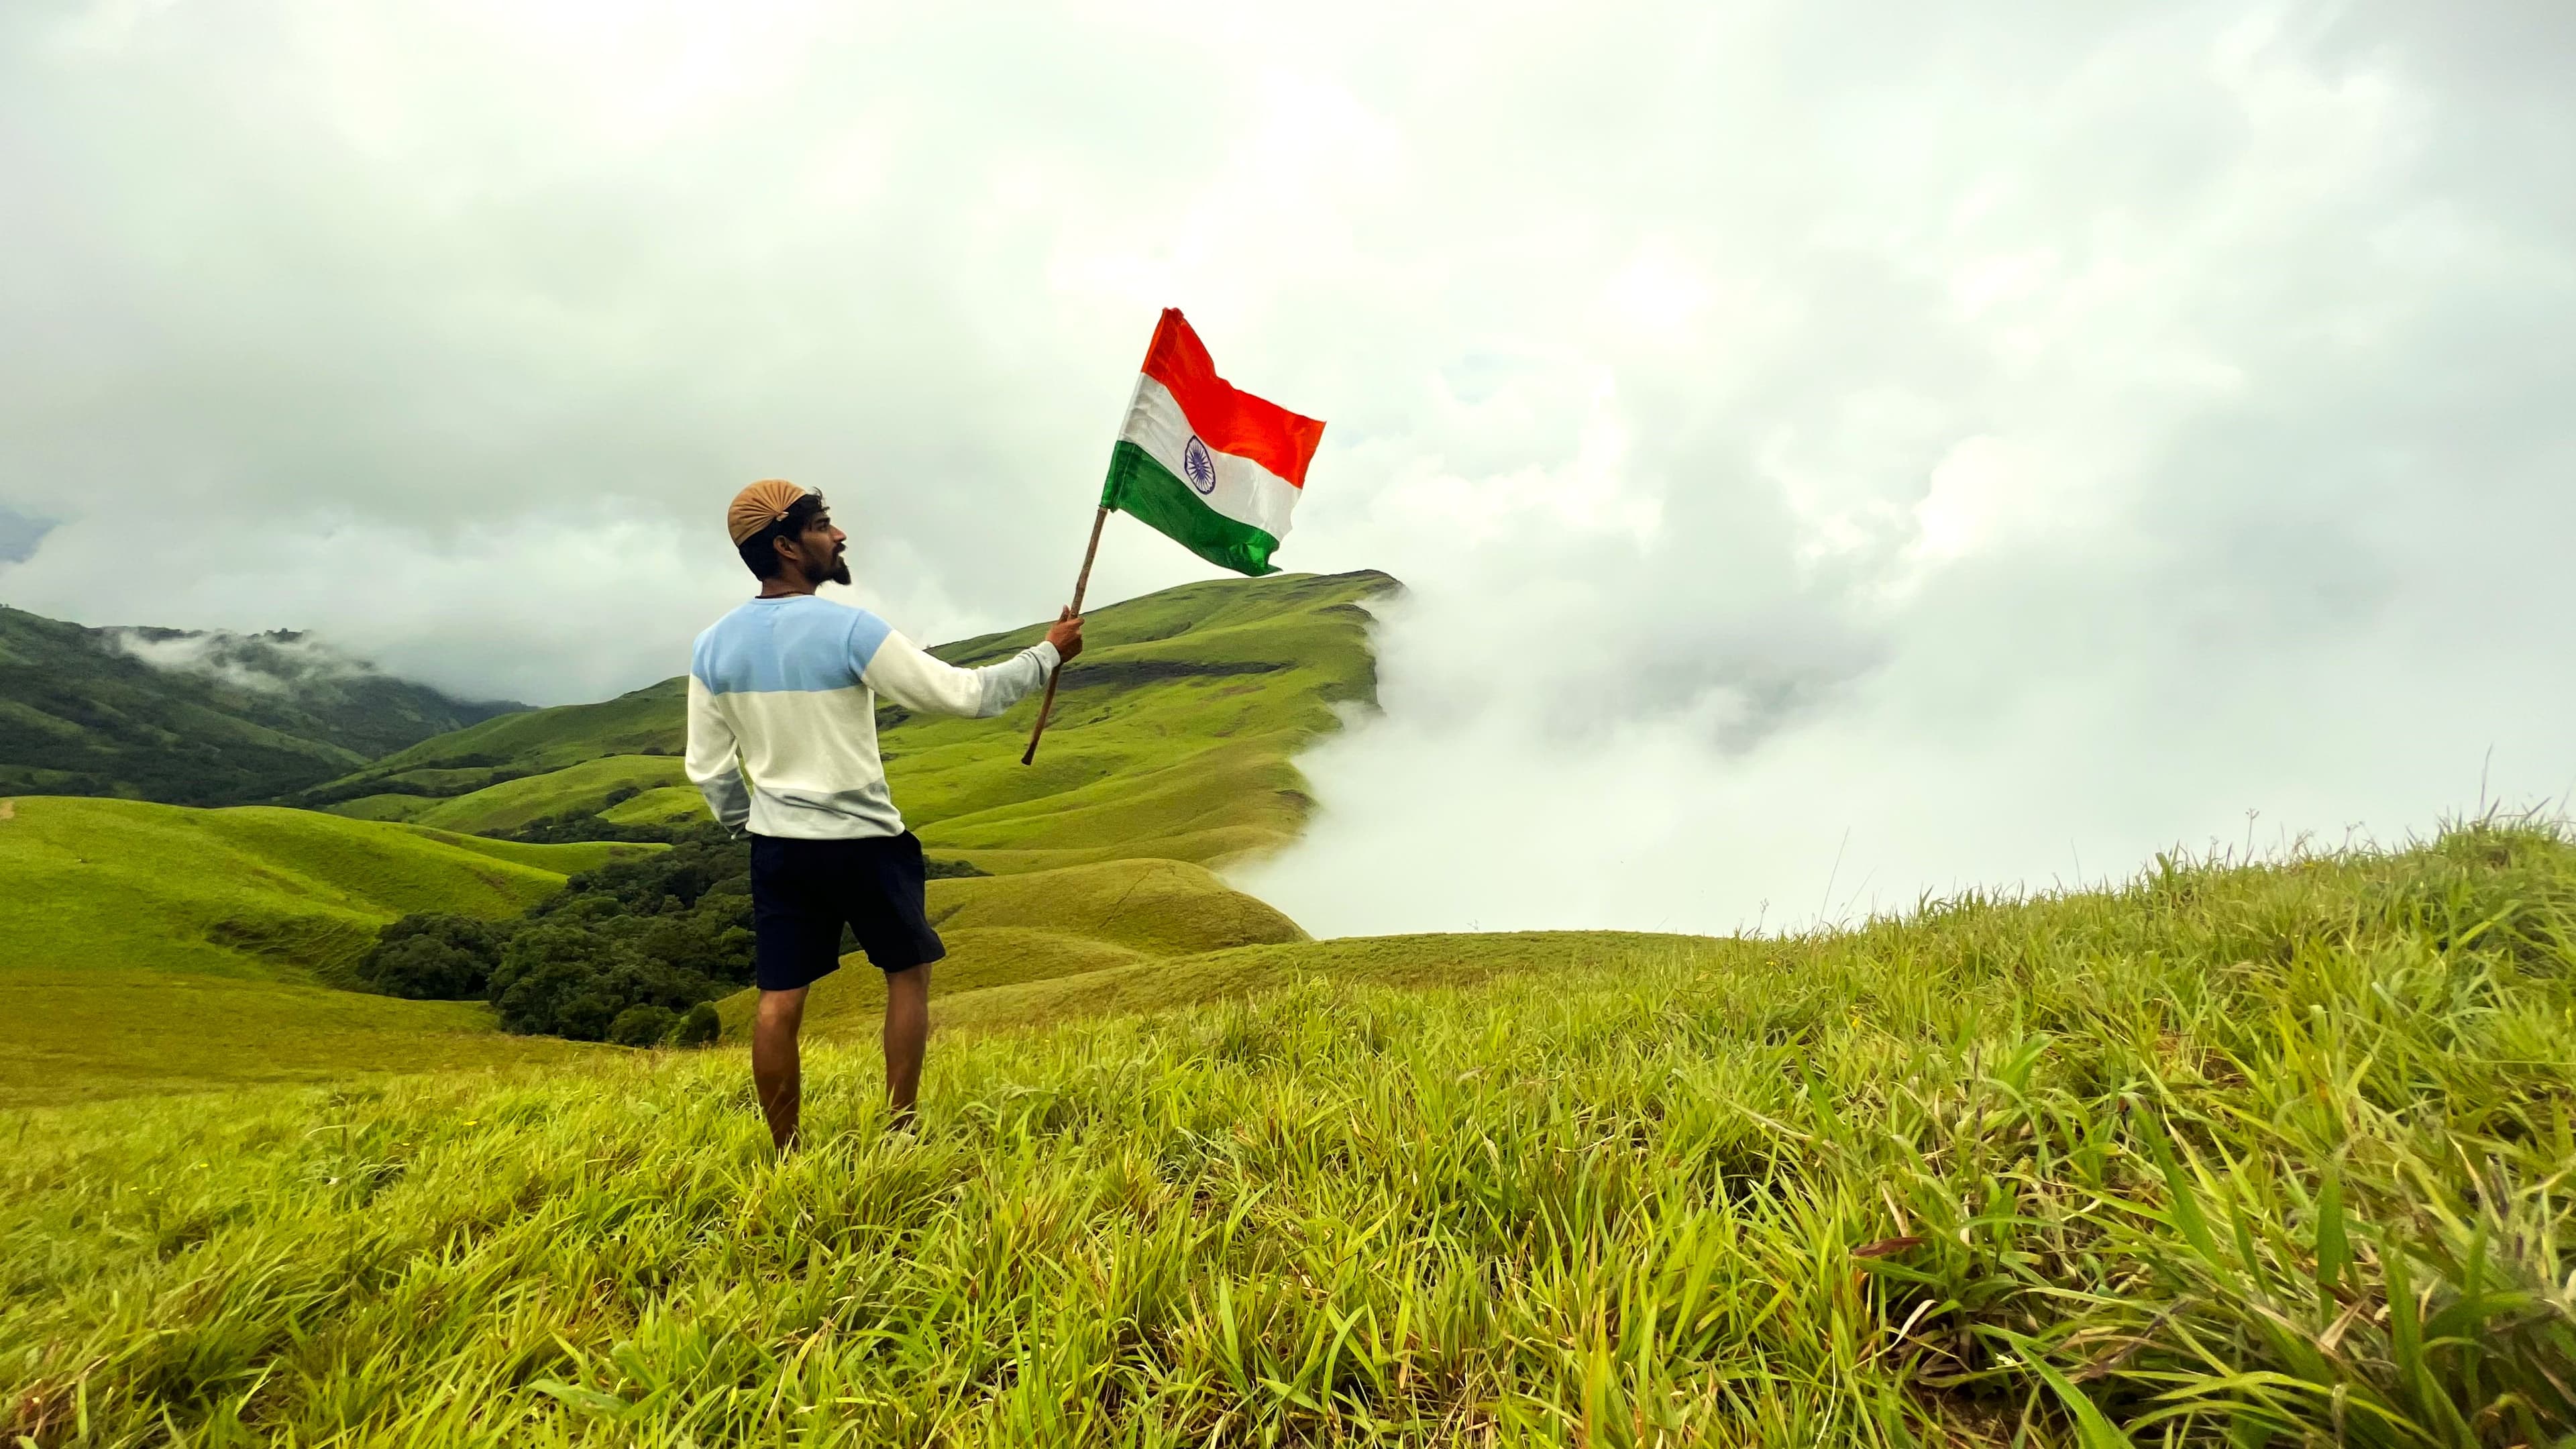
[(1838, 451)]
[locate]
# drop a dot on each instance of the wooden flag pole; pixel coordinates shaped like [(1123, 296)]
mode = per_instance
[(1081, 581)]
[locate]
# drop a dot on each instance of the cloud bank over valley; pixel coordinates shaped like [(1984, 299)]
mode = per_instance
[(1836, 451)]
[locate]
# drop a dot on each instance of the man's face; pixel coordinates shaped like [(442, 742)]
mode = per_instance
[(820, 551)]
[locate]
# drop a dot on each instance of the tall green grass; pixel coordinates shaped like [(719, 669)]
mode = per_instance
[(2232, 1155)]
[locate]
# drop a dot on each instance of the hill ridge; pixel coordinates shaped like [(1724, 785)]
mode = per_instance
[(1262, 666)]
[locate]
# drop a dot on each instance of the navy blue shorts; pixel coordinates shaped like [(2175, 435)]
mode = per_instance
[(804, 891)]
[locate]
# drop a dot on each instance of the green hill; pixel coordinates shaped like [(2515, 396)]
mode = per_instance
[(195, 718), (1111, 916), (1420, 962), (668, 805), (2226, 1156), (1173, 745), (648, 721), (1173, 738), (506, 806), (1174, 734), (153, 946)]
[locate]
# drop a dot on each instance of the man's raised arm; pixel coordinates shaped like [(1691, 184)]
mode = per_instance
[(910, 676)]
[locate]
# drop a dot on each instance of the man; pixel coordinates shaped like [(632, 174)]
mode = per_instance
[(784, 689)]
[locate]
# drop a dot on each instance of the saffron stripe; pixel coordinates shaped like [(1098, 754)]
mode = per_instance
[(1225, 418)]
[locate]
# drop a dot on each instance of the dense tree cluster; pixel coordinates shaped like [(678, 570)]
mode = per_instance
[(434, 957), (623, 953), (630, 953), (586, 824)]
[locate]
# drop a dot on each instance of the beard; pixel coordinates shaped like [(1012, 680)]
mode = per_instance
[(840, 573)]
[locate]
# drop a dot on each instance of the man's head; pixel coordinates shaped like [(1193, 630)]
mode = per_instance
[(785, 534)]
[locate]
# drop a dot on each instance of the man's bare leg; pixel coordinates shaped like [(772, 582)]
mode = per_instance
[(777, 1072), (907, 1030)]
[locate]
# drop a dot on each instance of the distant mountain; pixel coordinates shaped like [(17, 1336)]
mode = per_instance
[(198, 718)]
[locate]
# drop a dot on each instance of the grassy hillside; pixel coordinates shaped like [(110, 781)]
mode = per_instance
[(1155, 906), (513, 803), (999, 978), (195, 718), (1413, 962), (248, 892), (1126, 915), (2228, 1156), (669, 805), (95, 1033), (648, 721), (1172, 738), (155, 946)]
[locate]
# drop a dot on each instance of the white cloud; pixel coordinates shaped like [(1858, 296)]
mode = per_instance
[(270, 666), (1944, 439)]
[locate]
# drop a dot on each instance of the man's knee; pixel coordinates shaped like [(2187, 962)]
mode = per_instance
[(909, 986), (782, 1010)]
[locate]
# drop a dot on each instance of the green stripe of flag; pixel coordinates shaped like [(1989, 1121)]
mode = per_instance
[(1148, 492)]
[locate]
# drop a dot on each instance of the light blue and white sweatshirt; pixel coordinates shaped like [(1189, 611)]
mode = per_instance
[(785, 689)]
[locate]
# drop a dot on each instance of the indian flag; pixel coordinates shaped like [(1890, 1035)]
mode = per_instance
[(1215, 469)]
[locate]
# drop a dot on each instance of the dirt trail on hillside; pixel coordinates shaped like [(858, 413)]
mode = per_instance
[(8, 809)]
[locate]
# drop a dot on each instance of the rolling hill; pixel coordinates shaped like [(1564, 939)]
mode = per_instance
[(150, 947), (196, 718), (580, 788), (1174, 734), (512, 747), (1173, 747), (1173, 739)]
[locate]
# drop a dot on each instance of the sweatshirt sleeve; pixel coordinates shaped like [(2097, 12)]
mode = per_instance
[(906, 674), (711, 762)]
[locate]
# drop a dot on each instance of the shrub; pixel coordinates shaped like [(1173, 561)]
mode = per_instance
[(698, 1027), (642, 1026), (434, 957), (426, 968), (566, 980), (669, 931)]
